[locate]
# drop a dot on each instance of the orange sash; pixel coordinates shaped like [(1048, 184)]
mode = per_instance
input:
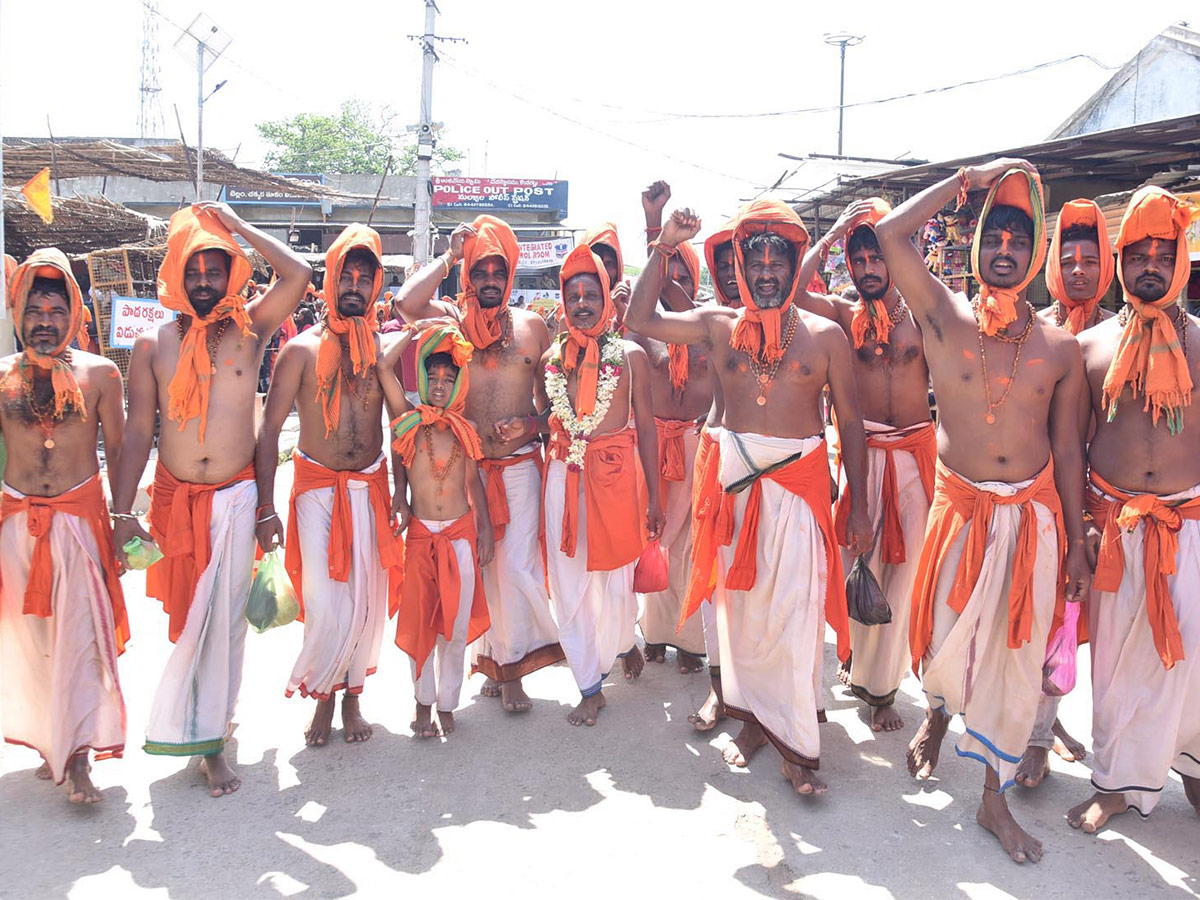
[(180, 516), (86, 502), (310, 476), (432, 584), (758, 332), (493, 237), (922, 444), (672, 452), (677, 354), (808, 479), (958, 504), (711, 508), (497, 496), (614, 499), (1160, 547)]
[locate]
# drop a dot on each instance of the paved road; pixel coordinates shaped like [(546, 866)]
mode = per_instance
[(639, 806)]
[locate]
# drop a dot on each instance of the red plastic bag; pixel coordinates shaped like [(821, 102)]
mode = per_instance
[(1058, 672), (651, 574)]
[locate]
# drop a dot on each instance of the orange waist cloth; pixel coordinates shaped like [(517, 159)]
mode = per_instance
[(807, 478), (922, 444), (615, 501), (497, 494), (180, 516), (309, 476), (710, 506), (958, 504), (432, 586), (88, 503), (672, 452), (1160, 546)]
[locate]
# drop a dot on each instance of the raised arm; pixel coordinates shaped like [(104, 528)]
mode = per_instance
[(418, 295), (654, 201), (292, 274), (860, 536), (111, 410), (1066, 446), (386, 363), (139, 438), (281, 396), (819, 303), (647, 435)]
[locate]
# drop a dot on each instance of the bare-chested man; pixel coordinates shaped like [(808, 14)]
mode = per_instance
[(344, 560), (682, 395), (200, 372), (1144, 499), (606, 244), (62, 613), (1079, 270), (508, 346), (893, 389), (1009, 483), (780, 579)]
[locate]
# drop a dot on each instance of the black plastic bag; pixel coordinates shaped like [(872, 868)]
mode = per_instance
[(865, 602)]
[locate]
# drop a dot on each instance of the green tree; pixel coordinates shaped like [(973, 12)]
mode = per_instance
[(356, 140)]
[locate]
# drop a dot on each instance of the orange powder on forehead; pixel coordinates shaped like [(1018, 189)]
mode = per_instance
[(1005, 237), (1078, 255), (200, 264)]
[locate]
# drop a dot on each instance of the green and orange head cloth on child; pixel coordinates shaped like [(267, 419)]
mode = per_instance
[(493, 237), (439, 339), (1149, 358), (359, 330), (1021, 189), (189, 232), (870, 316), (758, 332), (1085, 213), (581, 346), (49, 263)]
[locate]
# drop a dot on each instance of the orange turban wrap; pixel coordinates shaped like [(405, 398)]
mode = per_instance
[(715, 241), (360, 329), (758, 331), (1149, 357), (439, 339), (493, 237), (189, 232), (606, 233), (870, 315), (49, 263), (1079, 312), (1022, 189), (581, 347)]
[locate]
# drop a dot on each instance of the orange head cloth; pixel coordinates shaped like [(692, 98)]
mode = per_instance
[(581, 347), (84, 335), (439, 339), (493, 237), (48, 263), (715, 241), (871, 315), (1079, 212), (1019, 188), (677, 354), (190, 231), (758, 331), (606, 233), (1149, 357), (360, 330)]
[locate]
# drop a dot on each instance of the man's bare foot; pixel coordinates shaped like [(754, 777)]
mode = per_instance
[(712, 712), (514, 698), (749, 740), (688, 663), (1191, 787), (43, 772), (995, 817), (633, 663), (446, 720), (804, 780), (926, 744), (221, 777), (587, 710), (491, 688), (843, 671), (321, 724), (1034, 766), (1092, 814), (355, 729), (656, 653), (885, 718), (422, 723), (1066, 746), (79, 781)]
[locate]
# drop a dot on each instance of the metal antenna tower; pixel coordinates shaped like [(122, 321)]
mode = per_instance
[(150, 114)]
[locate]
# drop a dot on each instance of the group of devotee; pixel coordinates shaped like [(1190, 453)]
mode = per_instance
[(660, 446)]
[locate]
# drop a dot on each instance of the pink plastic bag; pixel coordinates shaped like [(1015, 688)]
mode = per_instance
[(1058, 672), (651, 575)]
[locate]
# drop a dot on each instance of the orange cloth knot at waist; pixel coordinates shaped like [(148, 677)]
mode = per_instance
[(672, 453), (710, 505), (497, 493)]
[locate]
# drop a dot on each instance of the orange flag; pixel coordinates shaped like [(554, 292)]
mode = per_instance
[(37, 192)]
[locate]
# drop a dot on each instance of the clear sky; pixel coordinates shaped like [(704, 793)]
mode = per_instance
[(603, 95)]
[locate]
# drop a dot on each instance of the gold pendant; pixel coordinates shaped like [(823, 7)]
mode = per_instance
[(761, 401), (48, 443), (990, 419), (879, 351), (763, 379)]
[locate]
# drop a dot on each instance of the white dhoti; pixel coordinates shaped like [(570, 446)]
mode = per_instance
[(61, 694), (444, 687), (772, 634), (196, 698), (1146, 717), (523, 637)]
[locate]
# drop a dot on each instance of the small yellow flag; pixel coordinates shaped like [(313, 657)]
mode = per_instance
[(37, 192)]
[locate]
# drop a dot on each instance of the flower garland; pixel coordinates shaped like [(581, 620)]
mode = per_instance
[(612, 357)]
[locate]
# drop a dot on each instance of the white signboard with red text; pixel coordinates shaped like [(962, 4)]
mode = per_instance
[(131, 317)]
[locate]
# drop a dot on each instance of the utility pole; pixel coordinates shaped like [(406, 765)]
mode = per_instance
[(200, 120), (209, 42), (843, 40)]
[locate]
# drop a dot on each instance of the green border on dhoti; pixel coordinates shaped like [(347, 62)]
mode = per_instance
[(199, 748)]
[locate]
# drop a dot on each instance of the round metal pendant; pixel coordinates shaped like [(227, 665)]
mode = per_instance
[(48, 443), (761, 401), (990, 419), (763, 379)]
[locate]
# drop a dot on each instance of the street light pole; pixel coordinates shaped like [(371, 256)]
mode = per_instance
[(842, 40), (200, 120)]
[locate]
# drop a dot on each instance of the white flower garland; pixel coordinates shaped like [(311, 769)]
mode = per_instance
[(612, 358)]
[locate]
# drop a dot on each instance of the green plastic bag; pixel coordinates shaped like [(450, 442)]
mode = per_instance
[(141, 554), (272, 601)]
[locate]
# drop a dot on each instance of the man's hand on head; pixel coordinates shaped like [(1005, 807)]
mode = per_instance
[(683, 225), (459, 236), (655, 197), (980, 177), (224, 213), (849, 214)]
